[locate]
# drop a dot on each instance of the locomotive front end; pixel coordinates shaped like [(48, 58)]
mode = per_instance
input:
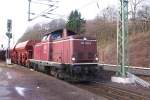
[(84, 58)]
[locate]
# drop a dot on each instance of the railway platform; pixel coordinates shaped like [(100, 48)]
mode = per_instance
[(20, 83)]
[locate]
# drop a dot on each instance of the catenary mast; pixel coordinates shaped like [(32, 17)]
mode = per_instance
[(122, 39)]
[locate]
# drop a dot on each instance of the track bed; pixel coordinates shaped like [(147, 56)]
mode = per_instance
[(114, 91)]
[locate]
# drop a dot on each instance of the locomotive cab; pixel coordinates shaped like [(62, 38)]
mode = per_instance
[(84, 58), (84, 50)]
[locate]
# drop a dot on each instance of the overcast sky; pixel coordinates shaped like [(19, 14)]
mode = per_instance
[(17, 11)]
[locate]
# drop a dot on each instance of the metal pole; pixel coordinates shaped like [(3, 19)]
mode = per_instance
[(8, 48), (29, 6), (122, 38), (9, 35)]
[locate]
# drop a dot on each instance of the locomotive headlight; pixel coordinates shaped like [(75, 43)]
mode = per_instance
[(84, 38), (73, 58), (96, 59)]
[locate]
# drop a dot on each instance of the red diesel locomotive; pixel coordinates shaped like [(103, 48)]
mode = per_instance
[(61, 53)]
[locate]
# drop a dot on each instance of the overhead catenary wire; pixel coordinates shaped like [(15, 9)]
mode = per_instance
[(37, 2), (84, 6), (89, 3), (39, 14), (41, 3), (45, 12), (50, 8)]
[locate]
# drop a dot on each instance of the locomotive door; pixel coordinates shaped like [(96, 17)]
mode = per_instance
[(30, 54), (66, 52), (50, 51)]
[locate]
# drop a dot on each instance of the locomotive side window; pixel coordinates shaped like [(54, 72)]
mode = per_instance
[(69, 33), (45, 38), (56, 35)]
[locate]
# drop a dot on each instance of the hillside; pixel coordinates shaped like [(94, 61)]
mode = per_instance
[(139, 51)]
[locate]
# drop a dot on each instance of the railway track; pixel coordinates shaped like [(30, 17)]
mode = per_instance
[(113, 92)]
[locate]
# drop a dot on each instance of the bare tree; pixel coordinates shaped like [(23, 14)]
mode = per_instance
[(109, 14), (144, 18), (134, 4)]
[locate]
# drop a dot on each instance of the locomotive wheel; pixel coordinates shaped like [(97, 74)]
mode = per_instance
[(52, 72), (56, 74), (47, 70), (27, 65), (35, 67)]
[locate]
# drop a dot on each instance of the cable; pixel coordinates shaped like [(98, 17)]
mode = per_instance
[(50, 9), (41, 3), (43, 13), (39, 14), (87, 4), (58, 15)]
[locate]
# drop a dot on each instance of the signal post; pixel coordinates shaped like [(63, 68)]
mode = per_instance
[(9, 35)]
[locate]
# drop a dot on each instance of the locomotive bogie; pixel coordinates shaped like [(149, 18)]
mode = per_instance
[(69, 72)]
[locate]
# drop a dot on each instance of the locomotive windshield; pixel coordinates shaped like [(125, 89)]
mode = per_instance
[(57, 35), (60, 33)]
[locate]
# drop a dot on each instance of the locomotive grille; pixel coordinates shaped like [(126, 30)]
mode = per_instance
[(80, 55), (90, 55), (85, 61)]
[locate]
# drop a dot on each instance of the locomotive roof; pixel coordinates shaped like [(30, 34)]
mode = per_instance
[(60, 30), (73, 34), (84, 35), (22, 44)]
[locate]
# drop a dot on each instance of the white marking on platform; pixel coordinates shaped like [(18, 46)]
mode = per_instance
[(0, 69), (92, 99), (74, 93), (8, 75), (3, 83), (20, 90), (4, 91), (31, 69)]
